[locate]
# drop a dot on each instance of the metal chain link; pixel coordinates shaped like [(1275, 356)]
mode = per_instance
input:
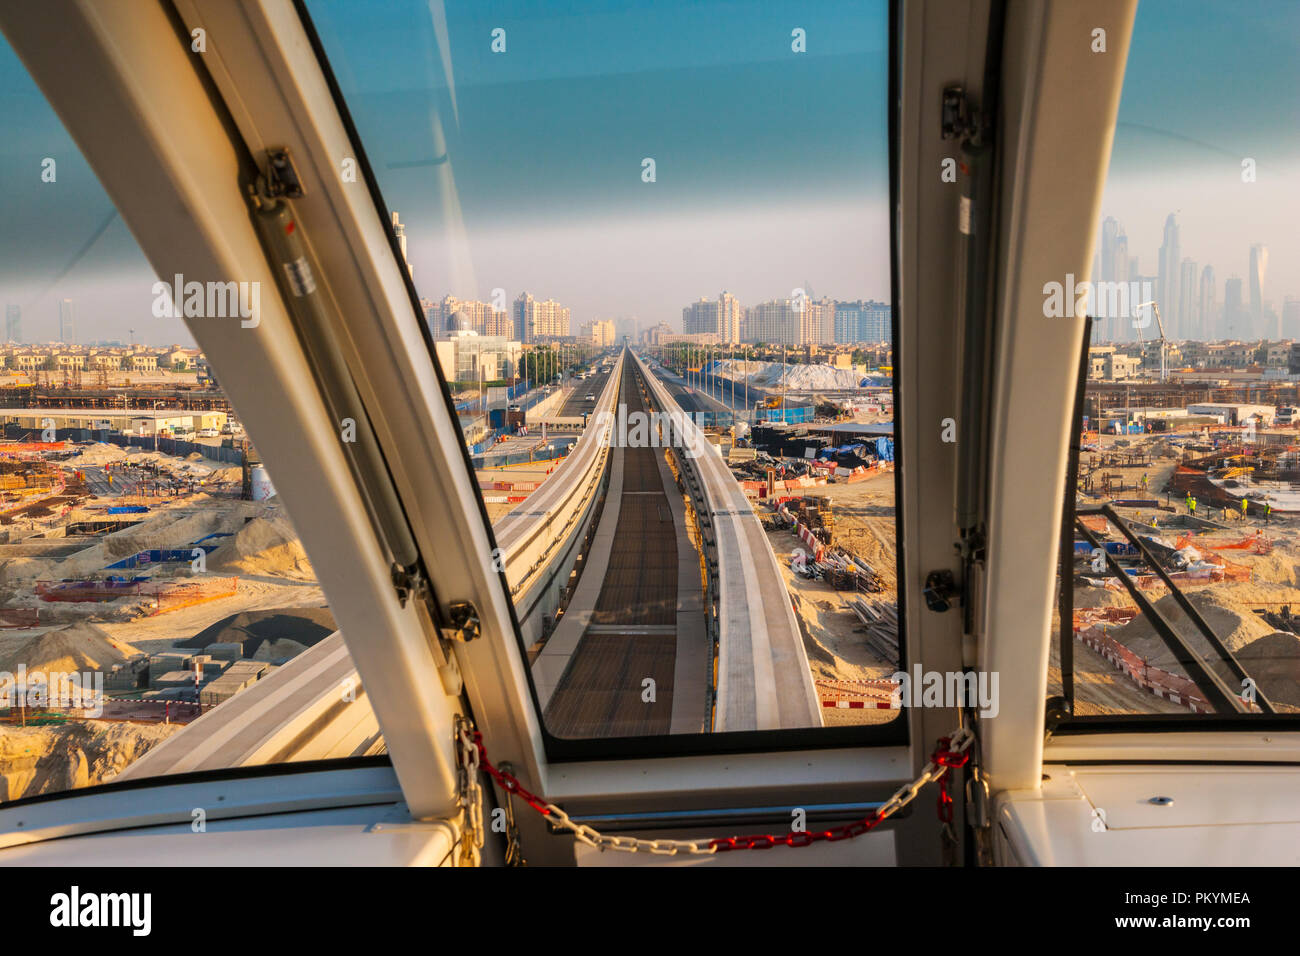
[(950, 754), (470, 793)]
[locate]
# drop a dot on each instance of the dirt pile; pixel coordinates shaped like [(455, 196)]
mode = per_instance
[(289, 630), (276, 650), (263, 546), (1235, 624), (37, 760), (79, 647), (1274, 662)]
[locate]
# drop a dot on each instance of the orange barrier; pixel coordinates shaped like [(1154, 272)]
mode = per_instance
[(1256, 543), (1161, 683)]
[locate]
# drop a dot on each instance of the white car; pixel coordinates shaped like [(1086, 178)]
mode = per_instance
[(208, 433)]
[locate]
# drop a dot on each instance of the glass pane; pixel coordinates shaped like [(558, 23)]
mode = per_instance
[(616, 211), (1190, 427), (148, 572)]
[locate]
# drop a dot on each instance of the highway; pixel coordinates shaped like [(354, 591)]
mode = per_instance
[(577, 404)]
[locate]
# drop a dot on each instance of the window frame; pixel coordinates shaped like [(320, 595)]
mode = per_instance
[(560, 750)]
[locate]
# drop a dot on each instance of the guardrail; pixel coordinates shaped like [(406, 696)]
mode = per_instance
[(535, 539), (535, 536)]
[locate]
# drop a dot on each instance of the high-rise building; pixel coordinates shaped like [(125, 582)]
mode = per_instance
[(13, 323), (1235, 319), (534, 320), (1207, 305), (1168, 274), (791, 322), (1291, 318), (599, 332), (1189, 325), (457, 314), (720, 316), (860, 321), (67, 330), (1258, 266)]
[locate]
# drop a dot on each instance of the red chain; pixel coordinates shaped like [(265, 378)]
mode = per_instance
[(943, 757)]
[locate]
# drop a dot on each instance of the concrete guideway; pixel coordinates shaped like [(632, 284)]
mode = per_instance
[(764, 681), (630, 656)]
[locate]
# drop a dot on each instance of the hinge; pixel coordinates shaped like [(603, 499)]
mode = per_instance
[(463, 620), (282, 179), (409, 583), (957, 118)]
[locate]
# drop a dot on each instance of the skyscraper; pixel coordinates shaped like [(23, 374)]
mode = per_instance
[(720, 317), (1168, 275), (1258, 266), (13, 323), (67, 330), (1291, 318), (1235, 318), (1112, 265), (1189, 324), (1208, 306), (534, 320)]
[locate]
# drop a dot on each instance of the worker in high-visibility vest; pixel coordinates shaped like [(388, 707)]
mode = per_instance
[(1245, 504), (1268, 512), (1189, 503)]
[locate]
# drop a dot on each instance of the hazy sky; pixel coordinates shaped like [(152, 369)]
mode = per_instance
[(523, 170), (771, 166), (1207, 85)]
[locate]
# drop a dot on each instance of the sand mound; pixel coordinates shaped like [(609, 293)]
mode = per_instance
[(278, 650), (100, 453), (1274, 662), (1277, 567), (79, 647), (169, 529), (1085, 597), (37, 760), (1235, 624), (263, 546)]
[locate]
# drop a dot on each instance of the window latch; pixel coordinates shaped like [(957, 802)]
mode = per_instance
[(940, 589)]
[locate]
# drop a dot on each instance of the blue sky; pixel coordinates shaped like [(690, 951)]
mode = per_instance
[(522, 170)]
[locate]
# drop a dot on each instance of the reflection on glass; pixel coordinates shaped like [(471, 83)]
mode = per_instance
[(1189, 426), (148, 572), (653, 251)]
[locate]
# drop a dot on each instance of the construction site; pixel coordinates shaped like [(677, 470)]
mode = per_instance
[(135, 567), (1211, 508), (828, 513)]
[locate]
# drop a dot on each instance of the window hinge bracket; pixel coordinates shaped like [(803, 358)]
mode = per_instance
[(463, 619), (282, 179), (409, 583), (958, 119)]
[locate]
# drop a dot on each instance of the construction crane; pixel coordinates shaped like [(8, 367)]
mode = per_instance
[(1164, 372)]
